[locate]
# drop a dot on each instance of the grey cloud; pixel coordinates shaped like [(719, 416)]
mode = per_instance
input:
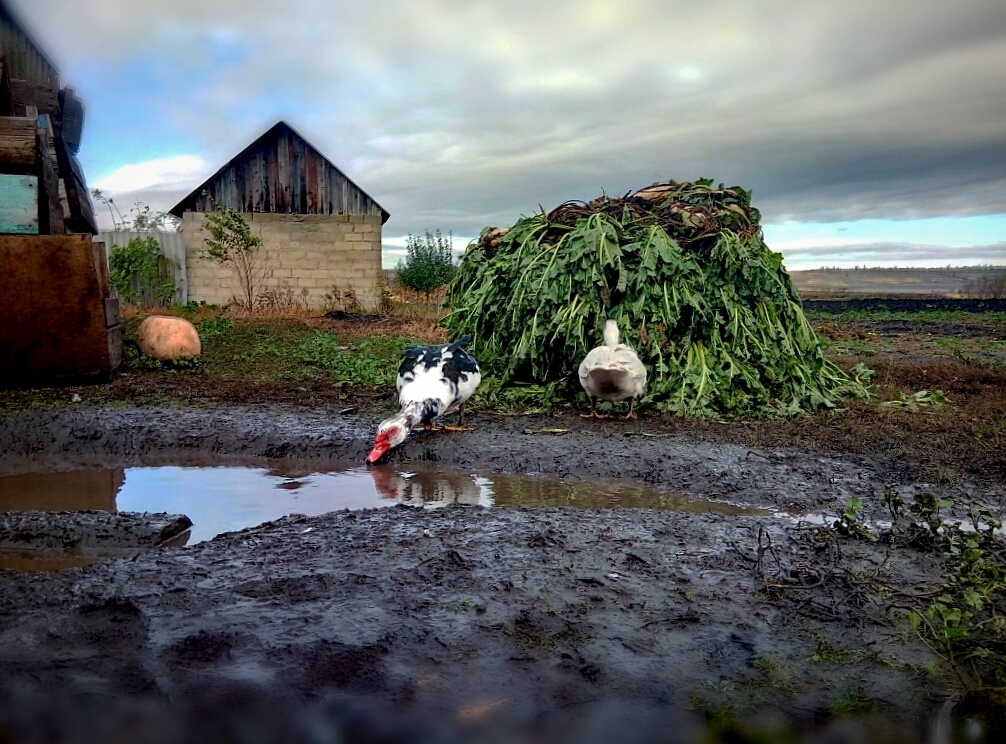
[(461, 114)]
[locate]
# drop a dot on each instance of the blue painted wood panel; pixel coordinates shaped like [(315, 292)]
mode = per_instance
[(18, 204)]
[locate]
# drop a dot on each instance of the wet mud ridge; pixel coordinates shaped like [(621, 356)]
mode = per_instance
[(597, 626), (99, 533), (791, 479)]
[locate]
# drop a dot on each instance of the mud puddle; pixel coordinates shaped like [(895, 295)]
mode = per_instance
[(221, 498)]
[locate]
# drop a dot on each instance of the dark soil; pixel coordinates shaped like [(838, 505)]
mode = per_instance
[(466, 624), (463, 622), (905, 305)]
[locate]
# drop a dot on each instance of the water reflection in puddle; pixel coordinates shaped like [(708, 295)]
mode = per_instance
[(227, 498)]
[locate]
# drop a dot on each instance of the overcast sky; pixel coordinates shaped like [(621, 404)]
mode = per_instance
[(870, 132)]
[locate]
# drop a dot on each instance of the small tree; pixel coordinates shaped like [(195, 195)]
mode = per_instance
[(232, 244), (429, 263)]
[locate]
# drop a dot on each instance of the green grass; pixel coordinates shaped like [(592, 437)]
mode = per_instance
[(275, 351)]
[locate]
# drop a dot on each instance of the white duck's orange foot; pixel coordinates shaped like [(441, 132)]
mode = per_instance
[(432, 427), (459, 428), (593, 414), (629, 416)]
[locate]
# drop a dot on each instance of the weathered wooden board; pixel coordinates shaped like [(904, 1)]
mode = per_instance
[(18, 205), (112, 315), (50, 210), (282, 173), (17, 145), (53, 322), (79, 217), (26, 93)]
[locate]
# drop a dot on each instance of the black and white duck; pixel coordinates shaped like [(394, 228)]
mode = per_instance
[(433, 381)]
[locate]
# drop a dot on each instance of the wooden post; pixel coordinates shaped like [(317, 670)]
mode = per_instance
[(50, 210)]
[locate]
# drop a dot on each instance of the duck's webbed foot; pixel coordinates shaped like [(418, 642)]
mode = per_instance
[(631, 414), (461, 422), (593, 411)]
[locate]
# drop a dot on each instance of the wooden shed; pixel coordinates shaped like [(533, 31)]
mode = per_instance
[(321, 233)]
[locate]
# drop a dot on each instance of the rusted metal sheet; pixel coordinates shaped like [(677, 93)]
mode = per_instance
[(282, 173), (54, 323)]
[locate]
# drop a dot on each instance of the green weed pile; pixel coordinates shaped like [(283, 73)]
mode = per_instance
[(683, 268)]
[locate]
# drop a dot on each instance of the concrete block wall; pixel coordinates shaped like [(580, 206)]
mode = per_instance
[(309, 257)]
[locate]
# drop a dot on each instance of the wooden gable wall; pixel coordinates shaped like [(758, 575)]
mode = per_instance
[(281, 173)]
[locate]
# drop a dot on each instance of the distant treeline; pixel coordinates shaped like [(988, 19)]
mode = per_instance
[(974, 282)]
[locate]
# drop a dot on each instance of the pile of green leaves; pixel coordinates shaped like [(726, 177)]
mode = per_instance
[(683, 268), (140, 273)]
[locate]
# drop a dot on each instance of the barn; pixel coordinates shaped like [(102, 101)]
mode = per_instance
[(321, 233)]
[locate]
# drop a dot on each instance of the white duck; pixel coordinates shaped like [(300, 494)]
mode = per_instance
[(612, 372), (432, 382)]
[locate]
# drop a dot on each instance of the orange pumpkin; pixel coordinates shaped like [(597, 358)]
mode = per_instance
[(165, 338)]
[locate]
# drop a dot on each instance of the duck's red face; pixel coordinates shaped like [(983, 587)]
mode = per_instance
[(381, 445), (387, 437)]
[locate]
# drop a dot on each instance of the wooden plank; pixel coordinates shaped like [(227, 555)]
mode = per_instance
[(50, 210), (80, 216), (112, 315), (26, 93), (64, 202), (17, 145), (114, 336), (18, 204)]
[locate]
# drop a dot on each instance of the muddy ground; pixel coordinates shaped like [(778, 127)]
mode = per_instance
[(465, 623)]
